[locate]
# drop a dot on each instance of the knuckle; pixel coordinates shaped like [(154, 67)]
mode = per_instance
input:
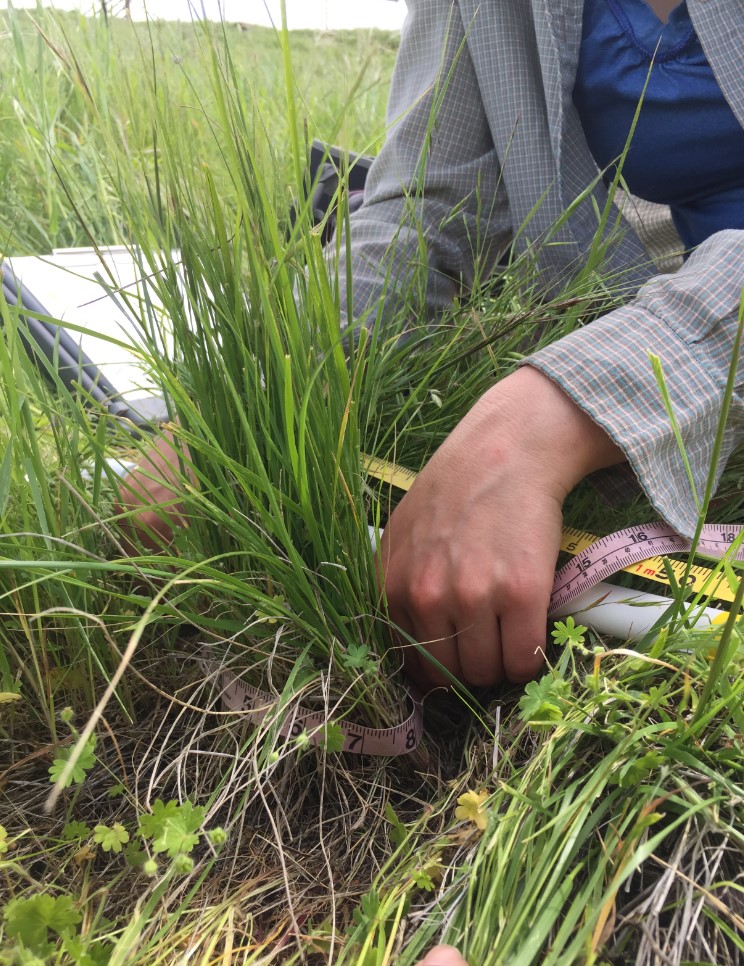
[(426, 593), (518, 592), (471, 592)]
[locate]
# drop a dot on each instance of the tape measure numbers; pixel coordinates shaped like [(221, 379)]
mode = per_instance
[(241, 697), (628, 550), (652, 568)]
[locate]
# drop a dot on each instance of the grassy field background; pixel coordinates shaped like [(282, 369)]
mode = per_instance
[(594, 818), (341, 81)]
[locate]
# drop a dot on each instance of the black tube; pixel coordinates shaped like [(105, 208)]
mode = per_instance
[(75, 370), (58, 336)]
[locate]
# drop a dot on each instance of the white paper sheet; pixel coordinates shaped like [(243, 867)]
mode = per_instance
[(65, 283)]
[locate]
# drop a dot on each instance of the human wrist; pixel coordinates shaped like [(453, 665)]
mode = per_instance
[(552, 432)]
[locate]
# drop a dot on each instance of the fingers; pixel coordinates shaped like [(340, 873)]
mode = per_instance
[(484, 650), (468, 555), (153, 528), (411, 657), (153, 482), (482, 632), (443, 956), (438, 640), (418, 606), (479, 647), (482, 643), (523, 630), (524, 655)]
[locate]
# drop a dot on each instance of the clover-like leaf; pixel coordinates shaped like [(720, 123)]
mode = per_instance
[(422, 880), (333, 738), (470, 809), (74, 831), (192, 816), (180, 832), (83, 952), (111, 838), (152, 825), (31, 919), (134, 856), (356, 655), (176, 840), (637, 770), (568, 632), (81, 767), (543, 701)]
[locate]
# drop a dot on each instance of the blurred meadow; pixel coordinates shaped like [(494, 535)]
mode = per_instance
[(594, 817)]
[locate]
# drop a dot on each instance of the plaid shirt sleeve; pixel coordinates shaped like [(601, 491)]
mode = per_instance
[(434, 198), (690, 321)]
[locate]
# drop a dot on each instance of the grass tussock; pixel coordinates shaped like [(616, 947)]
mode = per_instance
[(595, 817)]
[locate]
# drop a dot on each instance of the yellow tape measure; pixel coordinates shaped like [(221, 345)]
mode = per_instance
[(577, 541)]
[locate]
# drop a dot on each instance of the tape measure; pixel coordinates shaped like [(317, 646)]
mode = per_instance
[(241, 697), (638, 550), (629, 550)]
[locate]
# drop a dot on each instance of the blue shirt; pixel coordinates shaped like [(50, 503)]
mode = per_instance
[(687, 150)]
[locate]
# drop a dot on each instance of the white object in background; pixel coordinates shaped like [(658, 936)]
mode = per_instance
[(66, 285), (627, 614), (120, 468)]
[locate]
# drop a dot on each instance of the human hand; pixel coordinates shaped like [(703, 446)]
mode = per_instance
[(443, 956), (155, 480), (468, 556)]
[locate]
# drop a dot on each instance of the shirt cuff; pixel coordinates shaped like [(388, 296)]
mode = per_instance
[(606, 370)]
